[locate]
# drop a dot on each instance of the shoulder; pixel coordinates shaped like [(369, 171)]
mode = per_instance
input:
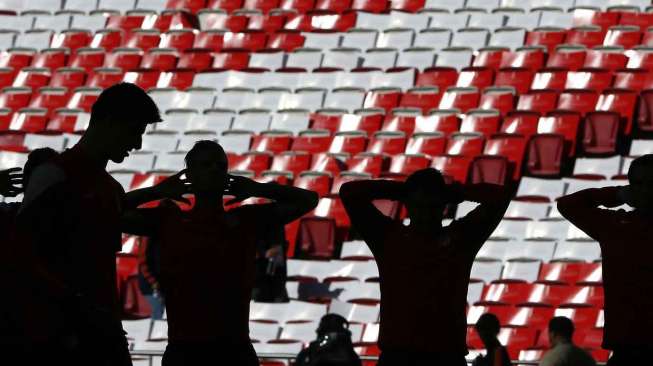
[(44, 178)]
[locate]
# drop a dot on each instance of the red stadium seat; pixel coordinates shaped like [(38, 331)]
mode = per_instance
[(180, 39), (567, 58), (562, 123), (104, 78), (71, 39), (550, 79), (423, 98), (490, 58), (518, 78), (489, 169), (301, 6), (465, 144), (266, 23), (68, 78), (291, 161), (604, 20), (12, 140), (560, 273), (192, 5), (400, 123), (180, 79), (589, 338), (51, 59), (545, 155), (263, 5), (454, 166), (210, 39), (65, 121), (87, 59), (231, 60), (520, 123), (549, 38), (500, 99), (144, 78), (585, 296), (50, 99), (332, 163), (337, 6), (583, 318), (581, 101), (391, 143), (312, 142), (348, 142), (15, 59), (196, 60), (623, 36), (29, 120), (382, 98), (317, 236), (366, 163), (286, 41), (633, 79), (602, 59), (127, 22), (15, 98), (542, 101), (144, 39), (645, 112), (410, 6), (622, 102), (32, 77), (477, 77), (529, 58), (256, 162), (83, 98), (369, 6), (405, 164), (512, 147), (441, 77), (587, 36), (462, 99), (159, 59), (107, 39), (600, 132), (597, 80), (506, 294), (275, 143), (123, 58), (444, 122), (483, 122), (252, 41), (313, 181), (590, 274), (226, 5), (430, 144), (215, 20), (640, 20)]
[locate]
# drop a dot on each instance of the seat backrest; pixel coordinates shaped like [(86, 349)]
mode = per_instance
[(489, 169)]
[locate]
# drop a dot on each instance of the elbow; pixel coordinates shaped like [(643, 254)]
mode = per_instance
[(312, 199), (563, 206), (346, 190)]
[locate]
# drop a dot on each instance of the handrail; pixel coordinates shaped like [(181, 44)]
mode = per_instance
[(290, 356)]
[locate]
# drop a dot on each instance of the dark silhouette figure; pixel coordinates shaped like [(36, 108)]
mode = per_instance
[(208, 254), (625, 240), (271, 271), (333, 346), (71, 212), (563, 352), (424, 268), (149, 271), (488, 327), (21, 311)]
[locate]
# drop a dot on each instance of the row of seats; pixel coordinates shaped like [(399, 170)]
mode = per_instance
[(303, 6)]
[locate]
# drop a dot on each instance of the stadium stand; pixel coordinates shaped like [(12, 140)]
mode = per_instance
[(318, 93)]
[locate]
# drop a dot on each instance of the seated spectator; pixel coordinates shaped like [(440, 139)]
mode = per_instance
[(563, 352), (488, 328), (333, 346), (271, 273)]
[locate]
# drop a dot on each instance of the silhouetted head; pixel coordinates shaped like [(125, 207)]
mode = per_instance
[(34, 159), (119, 118), (488, 327), (425, 197), (640, 177), (207, 167), (333, 323), (561, 330)]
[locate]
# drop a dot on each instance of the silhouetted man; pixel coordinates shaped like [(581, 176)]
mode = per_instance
[(208, 254), (488, 327), (424, 268), (333, 346), (71, 211), (23, 311), (563, 352), (625, 240)]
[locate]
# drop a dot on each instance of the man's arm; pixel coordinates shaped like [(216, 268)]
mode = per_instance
[(358, 198), (493, 202), (582, 209), (291, 203), (173, 187)]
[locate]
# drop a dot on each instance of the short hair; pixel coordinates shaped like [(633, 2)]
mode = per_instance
[(36, 158), (333, 323), (562, 326), (489, 323), (429, 179), (203, 146), (125, 102), (642, 162)]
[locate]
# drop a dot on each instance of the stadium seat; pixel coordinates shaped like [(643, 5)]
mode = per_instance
[(518, 78), (538, 101), (597, 80), (483, 122), (581, 101), (569, 58), (500, 99), (622, 102), (545, 155), (520, 123), (489, 169), (600, 133), (465, 144), (454, 166), (431, 144)]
